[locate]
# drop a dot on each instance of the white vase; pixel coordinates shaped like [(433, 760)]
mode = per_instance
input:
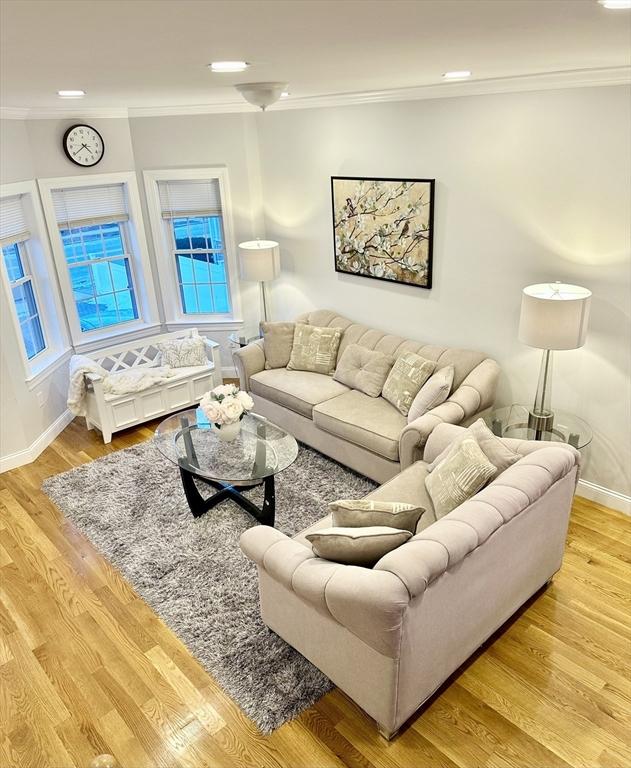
[(228, 432)]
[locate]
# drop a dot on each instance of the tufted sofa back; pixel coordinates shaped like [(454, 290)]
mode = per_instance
[(463, 360)]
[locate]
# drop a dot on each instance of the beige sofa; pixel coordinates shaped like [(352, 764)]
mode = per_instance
[(365, 433), (389, 636)]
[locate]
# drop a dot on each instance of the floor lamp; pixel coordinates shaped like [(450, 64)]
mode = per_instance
[(259, 261), (554, 316)]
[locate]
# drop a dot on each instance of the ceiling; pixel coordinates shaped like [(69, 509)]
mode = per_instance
[(145, 54)]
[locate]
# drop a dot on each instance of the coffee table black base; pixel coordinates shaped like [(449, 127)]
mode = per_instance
[(199, 505)]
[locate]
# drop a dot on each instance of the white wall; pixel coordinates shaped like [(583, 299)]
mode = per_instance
[(25, 414), (530, 187)]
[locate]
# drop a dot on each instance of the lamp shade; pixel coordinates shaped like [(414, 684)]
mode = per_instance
[(554, 316), (259, 260)]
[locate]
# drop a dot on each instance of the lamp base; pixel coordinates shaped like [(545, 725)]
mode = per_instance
[(541, 421)]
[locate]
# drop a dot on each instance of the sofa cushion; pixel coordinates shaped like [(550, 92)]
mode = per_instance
[(371, 422), (363, 369), (409, 487), (314, 349), (357, 546), (278, 339), (297, 390), (434, 392), (404, 381), (360, 513), (460, 475)]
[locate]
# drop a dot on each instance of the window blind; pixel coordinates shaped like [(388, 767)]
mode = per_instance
[(86, 206), (13, 225), (189, 198)]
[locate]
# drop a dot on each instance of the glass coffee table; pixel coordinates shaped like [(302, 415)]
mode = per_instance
[(260, 451)]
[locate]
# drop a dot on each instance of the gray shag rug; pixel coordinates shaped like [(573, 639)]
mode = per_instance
[(131, 506)]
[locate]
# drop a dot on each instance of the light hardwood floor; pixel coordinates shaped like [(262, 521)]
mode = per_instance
[(86, 667)]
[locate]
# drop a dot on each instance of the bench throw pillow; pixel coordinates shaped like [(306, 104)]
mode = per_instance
[(409, 372), (357, 546), (461, 474), (278, 339), (363, 369), (495, 449), (362, 513), (314, 349), (434, 392), (183, 353)]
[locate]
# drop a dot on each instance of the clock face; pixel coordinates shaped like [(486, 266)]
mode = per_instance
[(83, 145)]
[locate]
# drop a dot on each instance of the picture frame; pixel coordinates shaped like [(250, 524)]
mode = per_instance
[(383, 228)]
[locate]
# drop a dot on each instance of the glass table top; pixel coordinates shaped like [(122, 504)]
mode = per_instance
[(261, 449), (512, 421)]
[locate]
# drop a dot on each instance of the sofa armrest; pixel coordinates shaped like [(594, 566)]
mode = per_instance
[(475, 394), (369, 603), (248, 361), (444, 544)]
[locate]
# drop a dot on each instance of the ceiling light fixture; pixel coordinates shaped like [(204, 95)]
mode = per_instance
[(285, 94), (261, 94), (616, 5), (229, 66), (71, 94), (459, 74)]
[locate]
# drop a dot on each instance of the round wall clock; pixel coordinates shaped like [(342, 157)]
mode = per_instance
[(83, 145)]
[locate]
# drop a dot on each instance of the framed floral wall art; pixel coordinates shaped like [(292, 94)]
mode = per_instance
[(383, 228)]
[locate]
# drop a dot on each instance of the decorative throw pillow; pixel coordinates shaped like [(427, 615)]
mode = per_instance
[(314, 349), (461, 474), (357, 546), (182, 353), (361, 513), (278, 339), (363, 369), (434, 392), (407, 376), (493, 447)]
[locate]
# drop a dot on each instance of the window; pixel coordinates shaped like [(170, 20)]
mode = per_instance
[(14, 236), (100, 274), (201, 264), (192, 234), (24, 298), (192, 214), (97, 235)]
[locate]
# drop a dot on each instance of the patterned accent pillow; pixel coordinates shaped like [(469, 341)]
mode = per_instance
[(363, 369), (357, 546), (493, 447), (314, 349), (182, 353), (407, 376), (463, 472), (434, 392), (278, 341), (359, 513)]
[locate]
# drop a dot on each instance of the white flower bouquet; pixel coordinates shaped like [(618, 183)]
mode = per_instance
[(226, 405)]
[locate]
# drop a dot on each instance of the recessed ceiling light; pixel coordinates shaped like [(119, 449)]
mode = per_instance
[(229, 66), (459, 74), (616, 5), (71, 94), (285, 94)]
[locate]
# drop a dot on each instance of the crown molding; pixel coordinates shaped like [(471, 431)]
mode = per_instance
[(576, 78)]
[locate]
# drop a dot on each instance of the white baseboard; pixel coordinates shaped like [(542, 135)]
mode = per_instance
[(604, 496), (26, 456)]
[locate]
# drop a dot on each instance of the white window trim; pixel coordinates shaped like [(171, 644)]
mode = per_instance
[(46, 289), (141, 265), (167, 272)]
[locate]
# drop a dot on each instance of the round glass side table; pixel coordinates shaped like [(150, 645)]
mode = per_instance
[(512, 421)]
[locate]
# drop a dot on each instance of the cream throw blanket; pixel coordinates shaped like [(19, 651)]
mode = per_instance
[(119, 383)]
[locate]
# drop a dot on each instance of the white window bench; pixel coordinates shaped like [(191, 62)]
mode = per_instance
[(111, 413)]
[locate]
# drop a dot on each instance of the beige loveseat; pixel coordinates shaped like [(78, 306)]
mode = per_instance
[(365, 433), (389, 636)]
